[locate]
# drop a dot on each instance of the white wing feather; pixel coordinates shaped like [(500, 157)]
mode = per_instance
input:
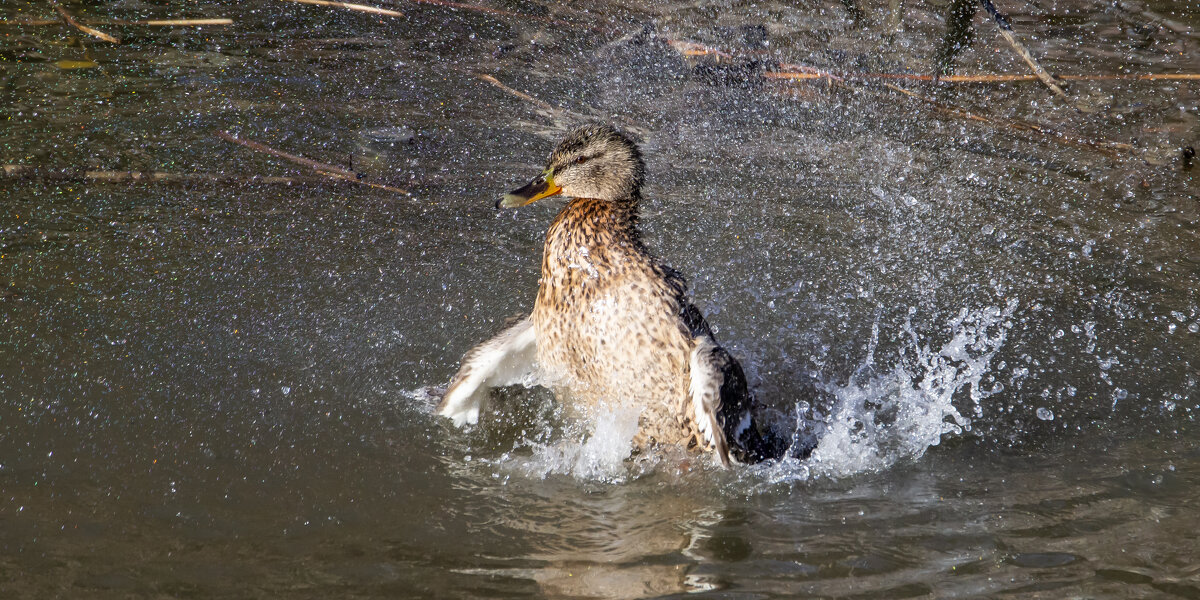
[(506, 359), (705, 390)]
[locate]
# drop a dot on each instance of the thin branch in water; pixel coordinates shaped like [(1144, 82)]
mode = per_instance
[(491, 11), (69, 20), (1108, 148), (320, 168), (349, 6), (998, 78), (690, 48), (97, 176), (522, 95), (176, 22), (28, 22), (151, 23), (545, 108), (803, 72), (1006, 30)]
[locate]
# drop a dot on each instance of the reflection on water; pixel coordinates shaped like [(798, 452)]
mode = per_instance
[(219, 387)]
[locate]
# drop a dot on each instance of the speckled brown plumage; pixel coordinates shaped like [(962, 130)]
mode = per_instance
[(608, 320)]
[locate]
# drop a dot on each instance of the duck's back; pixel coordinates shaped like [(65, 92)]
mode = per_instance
[(609, 325)]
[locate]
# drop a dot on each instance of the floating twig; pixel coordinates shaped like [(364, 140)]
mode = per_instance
[(804, 72), (1006, 30), (151, 23), (998, 78), (99, 176), (176, 22), (491, 11), (522, 95), (320, 168), (1108, 148), (84, 28), (690, 48), (350, 6), (547, 109)]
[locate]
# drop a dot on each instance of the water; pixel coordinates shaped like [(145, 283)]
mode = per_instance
[(222, 387)]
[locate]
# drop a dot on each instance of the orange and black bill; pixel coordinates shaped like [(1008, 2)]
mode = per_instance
[(541, 187)]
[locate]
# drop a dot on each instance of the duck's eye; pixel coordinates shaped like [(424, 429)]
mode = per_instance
[(581, 160)]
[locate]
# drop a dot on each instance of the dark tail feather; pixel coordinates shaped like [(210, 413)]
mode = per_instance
[(754, 446)]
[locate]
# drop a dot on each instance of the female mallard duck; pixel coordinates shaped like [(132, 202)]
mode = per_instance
[(611, 324)]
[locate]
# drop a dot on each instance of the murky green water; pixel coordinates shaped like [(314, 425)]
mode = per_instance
[(220, 387)]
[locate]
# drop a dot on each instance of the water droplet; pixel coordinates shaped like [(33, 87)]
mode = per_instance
[(286, 390), (1118, 395), (1045, 414)]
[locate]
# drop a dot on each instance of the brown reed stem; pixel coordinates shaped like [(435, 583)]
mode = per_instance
[(999, 78), (101, 176), (1006, 30), (69, 20), (1108, 148), (491, 11), (320, 168), (151, 23), (351, 6)]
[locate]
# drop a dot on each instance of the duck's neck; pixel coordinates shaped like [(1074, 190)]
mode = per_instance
[(589, 237)]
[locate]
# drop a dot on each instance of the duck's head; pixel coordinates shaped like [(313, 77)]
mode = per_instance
[(593, 161)]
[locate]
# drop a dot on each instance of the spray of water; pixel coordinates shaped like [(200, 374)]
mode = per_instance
[(879, 417), (877, 420), (595, 449)]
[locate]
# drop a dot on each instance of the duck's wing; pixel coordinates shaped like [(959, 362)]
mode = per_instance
[(708, 369), (721, 401), (508, 358)]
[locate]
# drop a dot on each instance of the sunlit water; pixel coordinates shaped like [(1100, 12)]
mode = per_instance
[(224, 388)]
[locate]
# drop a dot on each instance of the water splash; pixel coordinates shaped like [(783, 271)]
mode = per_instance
[(879, 417), (601, 456), (878, 420)]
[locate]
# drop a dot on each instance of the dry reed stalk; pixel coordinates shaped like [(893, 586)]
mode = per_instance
[(999, 78), (1105, 147), (100, 176), (1006, 30), (84, 28), (522, 95), (320, 168), (491, 11), (350, 6), (151, 23), (176, 22), (690, 48)]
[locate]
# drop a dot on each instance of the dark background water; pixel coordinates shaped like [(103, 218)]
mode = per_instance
[(218, 388)]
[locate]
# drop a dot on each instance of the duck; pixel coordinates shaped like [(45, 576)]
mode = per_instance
[(612, 325)]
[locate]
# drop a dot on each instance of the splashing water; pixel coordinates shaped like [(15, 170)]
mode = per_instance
[(879, 420), (875, 420), (601, 456)]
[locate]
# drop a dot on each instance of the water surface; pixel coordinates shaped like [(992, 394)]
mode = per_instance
[(222, 387)]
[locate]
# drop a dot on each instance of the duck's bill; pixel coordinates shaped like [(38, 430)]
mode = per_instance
[(541, 187)]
